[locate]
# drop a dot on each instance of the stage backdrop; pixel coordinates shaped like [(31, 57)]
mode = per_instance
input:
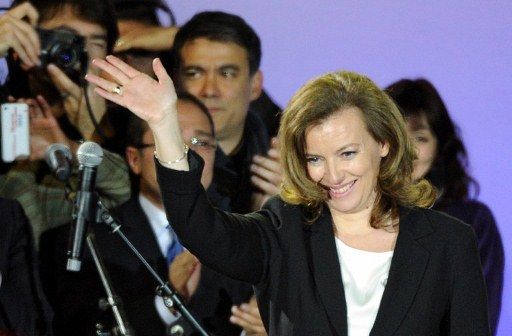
[(463, 47)]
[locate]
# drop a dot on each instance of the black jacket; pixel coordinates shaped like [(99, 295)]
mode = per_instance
[(23, 307), (435, 284)]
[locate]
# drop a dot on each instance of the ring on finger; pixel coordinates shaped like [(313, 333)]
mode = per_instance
[(118, 89)]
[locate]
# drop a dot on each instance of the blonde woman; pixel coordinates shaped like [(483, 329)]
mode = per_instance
[(349, 247)]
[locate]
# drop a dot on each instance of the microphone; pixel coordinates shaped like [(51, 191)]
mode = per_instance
[(89, 155), (58, 157)]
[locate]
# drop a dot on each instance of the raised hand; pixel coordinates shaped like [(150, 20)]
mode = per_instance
[(184, 273), (20, 35), (267, 175), (247, 316), (154, 38), (152, 100), (44, 128)]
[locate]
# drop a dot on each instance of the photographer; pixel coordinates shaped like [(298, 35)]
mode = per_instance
[(47, 61), (49, 45)]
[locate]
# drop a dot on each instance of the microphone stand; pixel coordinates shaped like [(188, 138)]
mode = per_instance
[(112, 300), (170, 298)]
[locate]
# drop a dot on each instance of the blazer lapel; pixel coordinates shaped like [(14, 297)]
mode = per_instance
[(327, 272), (137, 228), (407, 268)]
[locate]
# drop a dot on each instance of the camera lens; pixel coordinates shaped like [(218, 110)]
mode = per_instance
[(64, 56)]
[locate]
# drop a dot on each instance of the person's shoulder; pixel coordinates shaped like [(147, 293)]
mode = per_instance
[(11, 213), (438, 222), (8, 203), (472, 212), (11, 210), (468, 206), (473, 206)]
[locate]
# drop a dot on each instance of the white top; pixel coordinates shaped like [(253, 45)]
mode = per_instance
[(364, 275), (158, 222)]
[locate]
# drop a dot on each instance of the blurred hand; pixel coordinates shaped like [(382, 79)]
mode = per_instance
[(247, 316), (267, 175), (184, 273), (150, 38), (151, 100), (74, 102), (19, 35), (44, 128)]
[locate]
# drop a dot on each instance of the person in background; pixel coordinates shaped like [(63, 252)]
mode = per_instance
[(58, 111), (442, 159), (23, 306), (207, 293), (47, 202), (350, 246), (60, 85), (217, 59), (142, 36)]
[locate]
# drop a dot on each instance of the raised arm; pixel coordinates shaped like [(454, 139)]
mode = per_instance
[(231, 244)]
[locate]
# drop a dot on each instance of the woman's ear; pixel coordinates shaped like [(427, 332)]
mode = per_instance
[(384, 149)]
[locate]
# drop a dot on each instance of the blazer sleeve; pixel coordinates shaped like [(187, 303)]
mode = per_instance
[(231, 244), (468, 304)]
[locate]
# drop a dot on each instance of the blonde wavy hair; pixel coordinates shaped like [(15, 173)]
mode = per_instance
[(321, 98)]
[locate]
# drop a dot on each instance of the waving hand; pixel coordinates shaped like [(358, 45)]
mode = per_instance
[(149, 99)]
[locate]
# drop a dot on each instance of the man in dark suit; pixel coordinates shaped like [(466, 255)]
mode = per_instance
[(23, 308), (210, 295), (217, 59)]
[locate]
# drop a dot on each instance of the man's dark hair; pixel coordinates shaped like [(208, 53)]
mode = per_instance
[(100, 12), (137, 127), (135, 131), (220, 27)]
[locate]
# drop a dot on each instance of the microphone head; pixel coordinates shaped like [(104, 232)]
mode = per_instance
[(58, 157), (89, 154), (49, 155)]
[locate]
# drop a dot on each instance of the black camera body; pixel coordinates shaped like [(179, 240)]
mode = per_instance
[(64, 48)]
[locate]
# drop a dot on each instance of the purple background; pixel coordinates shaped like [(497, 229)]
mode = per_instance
[(463, 47)]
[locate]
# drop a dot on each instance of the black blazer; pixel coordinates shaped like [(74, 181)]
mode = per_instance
[(75, 295), (435, 284), (23, 307)]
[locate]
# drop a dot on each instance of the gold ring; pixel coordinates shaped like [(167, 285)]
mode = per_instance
[(118, 90)]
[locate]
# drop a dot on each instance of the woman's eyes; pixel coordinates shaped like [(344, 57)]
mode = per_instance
[(315, 160), (312, 159), (348, 154), (344, 155)]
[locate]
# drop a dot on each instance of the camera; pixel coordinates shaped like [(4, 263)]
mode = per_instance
[(64, 48)]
